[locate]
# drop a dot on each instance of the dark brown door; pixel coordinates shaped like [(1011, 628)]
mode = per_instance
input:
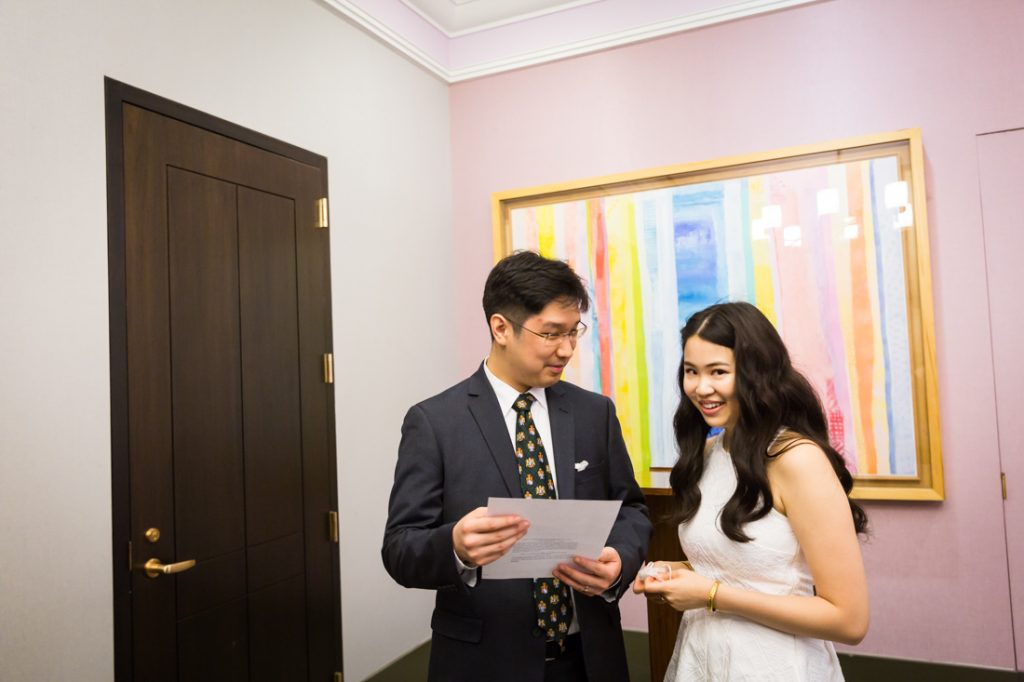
[(230, 419)]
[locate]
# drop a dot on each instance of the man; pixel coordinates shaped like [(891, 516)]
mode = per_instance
[(514, 429)]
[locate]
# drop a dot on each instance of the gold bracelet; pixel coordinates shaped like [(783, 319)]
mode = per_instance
[(711, 597)]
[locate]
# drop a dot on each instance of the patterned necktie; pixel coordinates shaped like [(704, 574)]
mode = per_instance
[(550, 595)]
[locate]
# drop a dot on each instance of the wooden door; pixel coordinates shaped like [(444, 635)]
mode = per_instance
[(662, 620), (1001, 168), (229, 426)]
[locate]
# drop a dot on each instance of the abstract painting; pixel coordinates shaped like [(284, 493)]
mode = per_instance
[(829, 241)]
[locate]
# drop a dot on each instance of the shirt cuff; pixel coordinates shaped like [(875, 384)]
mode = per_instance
[(467, 573), (610, 594)]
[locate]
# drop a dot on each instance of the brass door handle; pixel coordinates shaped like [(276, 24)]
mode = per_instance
[(155, 569)]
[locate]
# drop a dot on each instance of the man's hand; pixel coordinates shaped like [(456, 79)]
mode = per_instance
[(479, 539), (589, 576)]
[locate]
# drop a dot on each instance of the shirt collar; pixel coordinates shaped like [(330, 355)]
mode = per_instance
[(507, 395)]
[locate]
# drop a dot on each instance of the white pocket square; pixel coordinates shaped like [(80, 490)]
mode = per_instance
[(580, 466)]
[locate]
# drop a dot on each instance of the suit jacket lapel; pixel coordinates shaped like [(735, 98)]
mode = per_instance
[(563, 432), (483, 405)]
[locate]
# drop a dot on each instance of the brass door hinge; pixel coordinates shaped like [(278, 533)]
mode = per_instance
[(1002, 477), (338, 677), (321, 213), (332, 526), (328, 368)]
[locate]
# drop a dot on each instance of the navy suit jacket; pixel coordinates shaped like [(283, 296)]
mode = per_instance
[(456, 452)]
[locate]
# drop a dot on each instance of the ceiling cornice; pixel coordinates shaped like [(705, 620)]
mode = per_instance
[(523, 16), (357, 14), (453, 73)]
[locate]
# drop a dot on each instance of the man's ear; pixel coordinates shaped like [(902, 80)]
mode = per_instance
[(501, 329)]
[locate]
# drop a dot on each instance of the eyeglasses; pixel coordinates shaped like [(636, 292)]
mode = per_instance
[(555, 338)]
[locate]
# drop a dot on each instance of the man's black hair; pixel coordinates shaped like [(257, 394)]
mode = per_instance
[(523, 284)]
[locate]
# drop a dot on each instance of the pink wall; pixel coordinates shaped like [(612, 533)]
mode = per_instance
[(938, 572)]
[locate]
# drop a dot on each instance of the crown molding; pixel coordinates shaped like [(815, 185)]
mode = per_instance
[(495, 24), (620, 38), (449, 74), (385, 33)]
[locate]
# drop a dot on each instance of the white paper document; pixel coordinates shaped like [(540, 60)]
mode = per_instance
[(559, 530)]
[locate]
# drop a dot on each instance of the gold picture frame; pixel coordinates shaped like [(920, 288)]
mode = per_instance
[(830, 240)]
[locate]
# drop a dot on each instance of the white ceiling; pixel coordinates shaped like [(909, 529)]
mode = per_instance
[(462, 39), (459, 17)]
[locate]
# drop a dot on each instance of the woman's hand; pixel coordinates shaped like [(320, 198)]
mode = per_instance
[(658, 570), (684, 590)]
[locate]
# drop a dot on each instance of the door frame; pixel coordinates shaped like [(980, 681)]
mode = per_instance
[(116, 95)]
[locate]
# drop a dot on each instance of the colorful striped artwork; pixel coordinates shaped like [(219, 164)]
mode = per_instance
[(819, 250)]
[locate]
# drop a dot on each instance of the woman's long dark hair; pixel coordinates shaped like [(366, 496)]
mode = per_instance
[(772, 395)]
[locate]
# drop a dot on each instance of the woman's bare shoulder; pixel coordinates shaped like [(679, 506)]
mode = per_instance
[(787, 440), (799, 459)]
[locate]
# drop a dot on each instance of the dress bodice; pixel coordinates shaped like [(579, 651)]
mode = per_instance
[(721, 647), (771, 562)]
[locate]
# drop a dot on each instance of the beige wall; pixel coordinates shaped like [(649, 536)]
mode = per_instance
[(291, 69)]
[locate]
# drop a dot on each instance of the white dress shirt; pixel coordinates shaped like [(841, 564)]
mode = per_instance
[(539, 411)]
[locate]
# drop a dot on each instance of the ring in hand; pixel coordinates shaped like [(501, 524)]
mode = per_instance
[(586, 588)]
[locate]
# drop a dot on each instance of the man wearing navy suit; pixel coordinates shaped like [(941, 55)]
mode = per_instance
[(464, 445)]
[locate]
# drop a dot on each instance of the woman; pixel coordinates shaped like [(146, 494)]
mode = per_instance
[(765, 518)]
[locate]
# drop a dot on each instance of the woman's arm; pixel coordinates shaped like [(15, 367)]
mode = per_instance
[(807, 491)]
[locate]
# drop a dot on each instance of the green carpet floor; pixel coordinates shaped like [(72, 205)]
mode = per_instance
[(413, 668)]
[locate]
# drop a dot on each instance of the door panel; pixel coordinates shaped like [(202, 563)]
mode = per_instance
[(213, 582), (1001, 169), (212, 645), (274, 561), (206, 403), (230, 424), (278, 631), (270, 340)]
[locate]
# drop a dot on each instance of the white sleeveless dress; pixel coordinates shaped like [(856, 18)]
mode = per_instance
[(719, 647)]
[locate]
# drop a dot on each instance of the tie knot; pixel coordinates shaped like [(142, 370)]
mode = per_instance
[(523, 402)]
